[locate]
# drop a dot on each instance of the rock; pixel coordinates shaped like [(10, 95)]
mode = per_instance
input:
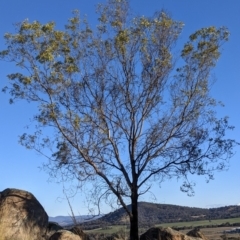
[(21, 216), (52, 228), (196, 233), (78, 231), (64, 235), (160, 233)]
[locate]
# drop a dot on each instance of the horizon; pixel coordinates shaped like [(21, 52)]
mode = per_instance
[(21, 168), (70, 216), (104, 214)]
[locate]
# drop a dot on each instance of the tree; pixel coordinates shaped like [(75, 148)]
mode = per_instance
[(124, 116)]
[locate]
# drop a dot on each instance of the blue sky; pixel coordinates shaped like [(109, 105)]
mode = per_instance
[(19, 168)]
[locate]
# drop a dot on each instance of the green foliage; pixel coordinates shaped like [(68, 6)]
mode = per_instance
[(204, 46)]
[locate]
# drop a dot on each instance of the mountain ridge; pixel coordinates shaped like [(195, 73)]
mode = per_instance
[(68, 220), (154, 213)]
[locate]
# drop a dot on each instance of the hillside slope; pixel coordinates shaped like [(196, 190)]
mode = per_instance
[(151, 213)]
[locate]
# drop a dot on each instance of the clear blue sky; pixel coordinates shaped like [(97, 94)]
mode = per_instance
[(19, 168)]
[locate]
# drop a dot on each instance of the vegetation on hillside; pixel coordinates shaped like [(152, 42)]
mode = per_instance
[(151, 214)]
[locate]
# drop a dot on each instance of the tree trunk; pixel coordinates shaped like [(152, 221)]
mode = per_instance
[(134, 217)]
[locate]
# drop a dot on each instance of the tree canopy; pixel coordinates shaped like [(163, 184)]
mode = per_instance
[(124, 112)]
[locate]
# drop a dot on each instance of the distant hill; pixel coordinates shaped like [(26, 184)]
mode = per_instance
[(68, 220), (151, 213)]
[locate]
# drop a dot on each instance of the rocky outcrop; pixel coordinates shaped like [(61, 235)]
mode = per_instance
[(78, 231), (64, 235), (160, 233), (21, 216), (52, 228), (196, 233)]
